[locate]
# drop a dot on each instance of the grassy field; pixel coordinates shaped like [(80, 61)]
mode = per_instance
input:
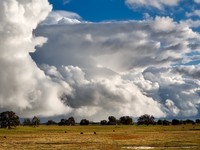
[(106, 137)]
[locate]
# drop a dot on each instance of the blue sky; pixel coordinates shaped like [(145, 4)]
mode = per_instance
[(98, 10), (101, 10)]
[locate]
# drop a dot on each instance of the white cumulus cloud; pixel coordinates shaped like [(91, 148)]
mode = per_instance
[(117, 68), (159, 4), (197, 1), (62, 17), (24, 88), (194, 13), (191, 23)]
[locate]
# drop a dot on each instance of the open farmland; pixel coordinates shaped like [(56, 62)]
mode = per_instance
[(106, 137)]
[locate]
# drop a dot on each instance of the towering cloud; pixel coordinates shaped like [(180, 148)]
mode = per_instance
[(117, 68), (24, 88), (95, 69)]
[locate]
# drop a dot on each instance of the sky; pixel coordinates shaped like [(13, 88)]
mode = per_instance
[(93, 59)]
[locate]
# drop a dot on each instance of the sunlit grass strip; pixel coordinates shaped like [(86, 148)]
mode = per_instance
[(106, 137)]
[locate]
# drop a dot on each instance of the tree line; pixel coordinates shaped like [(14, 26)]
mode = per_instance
[(9, 119)]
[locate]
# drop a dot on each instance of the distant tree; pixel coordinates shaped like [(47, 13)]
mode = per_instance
[(181, 122), (188, 121), (103, 122), (71, 121), (62, 122), (184, 122), (160, 122), (112, 120), (197, 121), (35, 121), (84, 122), (175, 122), (126, 120), (8, 119), (51, 122), (166, 123), (27, 122), (146, 120), (163, 122)]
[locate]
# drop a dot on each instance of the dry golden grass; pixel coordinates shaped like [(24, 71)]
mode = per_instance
[(106, 137)]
